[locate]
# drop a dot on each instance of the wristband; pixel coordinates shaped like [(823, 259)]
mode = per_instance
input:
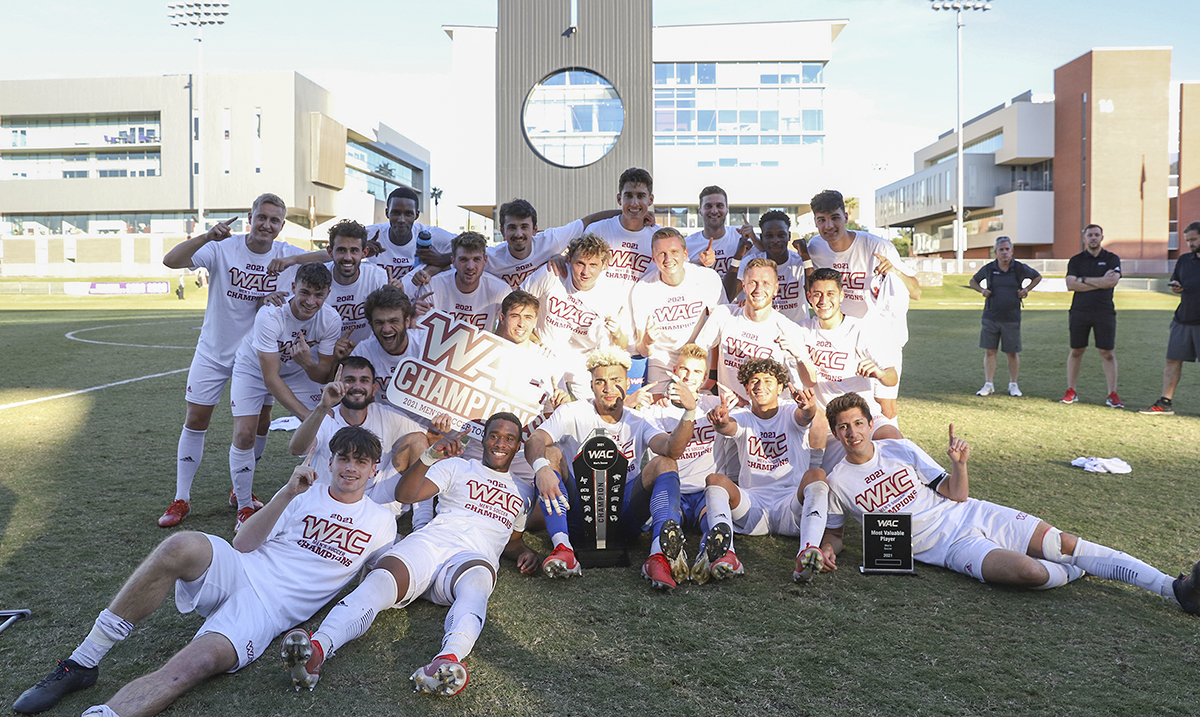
[(540, 464), (809, 265), (428, 457), (735, 262), (689, 414)]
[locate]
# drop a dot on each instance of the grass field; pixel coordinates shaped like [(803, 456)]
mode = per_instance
[(85, 477)]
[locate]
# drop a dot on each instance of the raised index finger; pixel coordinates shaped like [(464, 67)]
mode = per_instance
[(744, 219), (230, 221), (338, 377), (710, 243), (951, 432)]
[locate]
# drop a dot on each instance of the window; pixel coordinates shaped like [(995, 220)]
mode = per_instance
[(814, 121), (725, 162), (574, 117)]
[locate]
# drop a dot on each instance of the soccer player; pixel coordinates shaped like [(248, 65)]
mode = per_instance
[(467, 293), (684, 498), (353, 281), (389, 313), (451, 561), (1091, 275), (239, 267), (629, 235), (777, 492), (752, 330), (288, 560), (572, 425), (286, 356), (1184, 341), (399, 255), (669, 305), (714, 245), (775, 227), (525, 249), (581, 312), (991, 543)]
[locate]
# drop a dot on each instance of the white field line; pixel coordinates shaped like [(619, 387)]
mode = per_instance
[(71, 335), (89, 390)]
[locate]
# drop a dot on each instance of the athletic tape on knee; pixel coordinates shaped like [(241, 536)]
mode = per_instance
[(1052, 546)]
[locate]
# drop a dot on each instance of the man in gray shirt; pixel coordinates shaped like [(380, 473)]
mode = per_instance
[(1002, 283)]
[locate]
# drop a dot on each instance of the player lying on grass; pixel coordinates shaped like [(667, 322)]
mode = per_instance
[(778, 491), (247, 592), (989, 542), (451, 561)]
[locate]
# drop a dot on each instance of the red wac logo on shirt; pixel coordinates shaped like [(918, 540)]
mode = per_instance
[(495, 496), (352, 312), (572, 314), (519, 274), (348, 539), (879, 495), (768, 445), (854, 280), (252, 281), (746, 349), (396, 272), (622, 259), (827, 358), (678, 312)]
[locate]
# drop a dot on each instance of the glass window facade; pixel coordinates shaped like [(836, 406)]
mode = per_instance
[(79, 165), (574, 117), (70, 131), (369, 162), (982, 145), (132, 222)]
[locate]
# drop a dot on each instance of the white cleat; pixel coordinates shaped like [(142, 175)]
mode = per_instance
[(296, 649), (443, 677)]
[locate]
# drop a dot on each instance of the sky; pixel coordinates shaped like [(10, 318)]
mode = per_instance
[(890, 86)]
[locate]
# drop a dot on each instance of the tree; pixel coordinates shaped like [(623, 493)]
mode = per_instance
[(903, 242)]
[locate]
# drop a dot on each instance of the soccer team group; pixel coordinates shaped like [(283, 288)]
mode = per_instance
[(747, 416)]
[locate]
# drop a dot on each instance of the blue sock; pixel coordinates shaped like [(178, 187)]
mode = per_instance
[(664, 501), (555, 523), (705, 525)]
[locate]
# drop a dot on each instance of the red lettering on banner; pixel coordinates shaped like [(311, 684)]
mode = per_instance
[(348, 539), (895, 485)]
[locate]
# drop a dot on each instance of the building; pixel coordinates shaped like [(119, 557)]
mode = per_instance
[(100, 176), (586, 89), (1039, 171)]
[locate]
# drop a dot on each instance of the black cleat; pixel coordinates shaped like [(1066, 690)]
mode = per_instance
[(1187, 590), (68, 677), (671, 540)]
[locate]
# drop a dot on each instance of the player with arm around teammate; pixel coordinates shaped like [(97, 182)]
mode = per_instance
[(451, 561), (248, 592), (991, 543), (777, 491)]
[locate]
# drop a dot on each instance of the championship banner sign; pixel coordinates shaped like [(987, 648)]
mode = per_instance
[(469, 374)]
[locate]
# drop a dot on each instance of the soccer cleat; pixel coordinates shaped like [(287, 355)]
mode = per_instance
[(175, 514), (561, 563), (658, 572), (1114, 401), (303, 658), (242, 516), (671, 540), (1161, 407), (808, 563), (716, 561), (727, 566), (69, 676), (1187, 590), (987, 390), (1014, 389), (1069, 397), (443, 676), (254, 501)]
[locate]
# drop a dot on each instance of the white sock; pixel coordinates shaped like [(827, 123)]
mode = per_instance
[(353, 614), (716, 498), (467, 613), (108, 630), (561, 539), (100, 711), (241, 473), (1104, 562), (813, 512), (1059, 574), (187, 461), (260, 445)]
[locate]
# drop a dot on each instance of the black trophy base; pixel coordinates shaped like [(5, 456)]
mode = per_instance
[(611, 558)]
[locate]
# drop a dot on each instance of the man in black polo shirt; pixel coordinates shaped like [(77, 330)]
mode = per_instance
[(1092, 274), (1002, 284), (1184, 343)]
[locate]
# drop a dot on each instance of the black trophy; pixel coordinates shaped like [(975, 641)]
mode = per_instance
[(601, 472)]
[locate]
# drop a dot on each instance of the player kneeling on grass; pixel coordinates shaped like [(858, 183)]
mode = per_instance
[(777, 491), (989, 542), (572, 424), (451, 561), (302, 548)]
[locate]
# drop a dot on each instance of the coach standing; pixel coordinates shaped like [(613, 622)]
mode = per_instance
[(1184, 343), (1002, 284), (1092, 274)]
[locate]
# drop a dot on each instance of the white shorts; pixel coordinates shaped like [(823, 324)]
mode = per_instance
[(882, 391), (248, 394), (835, 452), (984, 527), (433, 566), (224, 596), (206, 380), (770, 512)]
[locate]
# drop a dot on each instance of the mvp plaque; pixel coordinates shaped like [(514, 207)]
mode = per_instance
[(887, 543)]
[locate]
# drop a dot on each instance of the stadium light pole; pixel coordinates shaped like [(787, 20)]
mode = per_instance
[(197, 15), (960, 236)]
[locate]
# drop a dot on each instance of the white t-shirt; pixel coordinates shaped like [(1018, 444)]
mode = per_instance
[(317, 547), (480, 507), (890, 301), (772, 452), (724, 247), (739, 339), (895, 480), (544, 246), (350, 300), (398, 261), (677, 312), (857, 265), (480, 308), (631, 252), (388, 425), (275, 331), (698, 460), (836, 354), (572, 424), (385, 363), (789, 296), (238, 278)]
